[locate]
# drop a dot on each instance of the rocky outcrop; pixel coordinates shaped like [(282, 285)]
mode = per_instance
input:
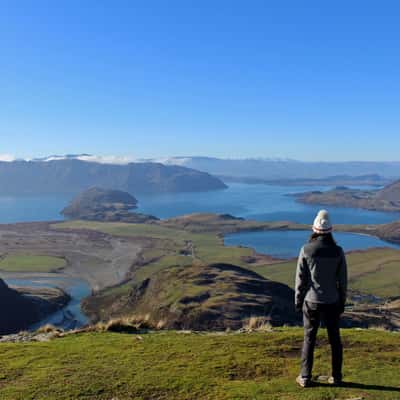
[(24, 306)]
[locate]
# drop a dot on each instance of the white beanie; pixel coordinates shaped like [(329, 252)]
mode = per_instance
[(322, 222)]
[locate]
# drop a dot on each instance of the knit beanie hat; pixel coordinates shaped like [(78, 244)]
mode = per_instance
[(322, 222)]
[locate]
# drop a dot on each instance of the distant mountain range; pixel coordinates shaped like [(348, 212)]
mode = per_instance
[(73, 173), (68, 174), (276, 169), (337, 180), (255, 168)]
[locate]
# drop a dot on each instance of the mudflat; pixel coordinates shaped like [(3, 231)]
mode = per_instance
[(99, 258)]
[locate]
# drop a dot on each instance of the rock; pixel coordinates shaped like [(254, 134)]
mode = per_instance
[(23, 337)]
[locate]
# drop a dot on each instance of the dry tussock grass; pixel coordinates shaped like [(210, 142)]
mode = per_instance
[(133, 323), (49, 328), (257, 324)]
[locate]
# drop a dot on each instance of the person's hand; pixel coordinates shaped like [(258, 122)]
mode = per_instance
[(298, 307)]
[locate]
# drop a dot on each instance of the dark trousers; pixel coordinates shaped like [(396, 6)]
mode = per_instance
[(313, 313)]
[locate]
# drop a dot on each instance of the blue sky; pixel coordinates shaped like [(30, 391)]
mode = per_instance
[(309, 80)]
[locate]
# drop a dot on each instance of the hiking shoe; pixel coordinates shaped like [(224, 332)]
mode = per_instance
[(303, 382), (334, 381)]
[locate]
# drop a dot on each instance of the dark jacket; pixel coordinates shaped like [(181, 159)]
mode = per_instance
[(321, 275)]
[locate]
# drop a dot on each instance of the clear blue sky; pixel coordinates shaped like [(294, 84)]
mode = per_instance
[(311, 80)]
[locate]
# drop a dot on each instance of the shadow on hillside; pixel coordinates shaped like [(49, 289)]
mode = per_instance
[(362, 386)]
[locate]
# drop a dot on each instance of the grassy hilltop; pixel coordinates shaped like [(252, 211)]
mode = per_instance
[(178, 366)]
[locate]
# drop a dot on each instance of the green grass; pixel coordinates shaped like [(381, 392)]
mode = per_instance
[(31, 263), (128, 229), (384, 281), (375, 271), (164, 262), (169, 365), (208, 247)]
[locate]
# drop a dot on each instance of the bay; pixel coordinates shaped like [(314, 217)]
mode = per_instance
[(258, 202), (32, 208)]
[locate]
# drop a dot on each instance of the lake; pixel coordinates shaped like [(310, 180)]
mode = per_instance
[(286, 244), (259, 202), (32, 208)]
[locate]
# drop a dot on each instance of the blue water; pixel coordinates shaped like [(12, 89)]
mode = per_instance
[(71, 316), (32, 208), (286, 244), (259, 202)]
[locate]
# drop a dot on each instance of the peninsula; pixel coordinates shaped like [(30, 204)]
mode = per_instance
[(386, 199)]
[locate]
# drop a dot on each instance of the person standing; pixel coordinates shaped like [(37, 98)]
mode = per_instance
[(320, 293)]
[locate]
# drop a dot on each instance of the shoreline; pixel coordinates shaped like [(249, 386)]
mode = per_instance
[(71, 315)]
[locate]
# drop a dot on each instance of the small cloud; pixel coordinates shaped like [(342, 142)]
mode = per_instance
[(121, 160), (168, 160), (7, 157)]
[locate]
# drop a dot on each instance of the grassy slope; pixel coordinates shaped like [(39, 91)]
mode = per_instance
[(375, 271), (170, 365), (213, 297), (31, 263)]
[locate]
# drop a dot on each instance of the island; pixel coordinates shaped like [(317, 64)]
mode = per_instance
[(98, 204)]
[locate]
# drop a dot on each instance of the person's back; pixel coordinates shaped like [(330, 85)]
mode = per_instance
[(325, 263), (320, 292)]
